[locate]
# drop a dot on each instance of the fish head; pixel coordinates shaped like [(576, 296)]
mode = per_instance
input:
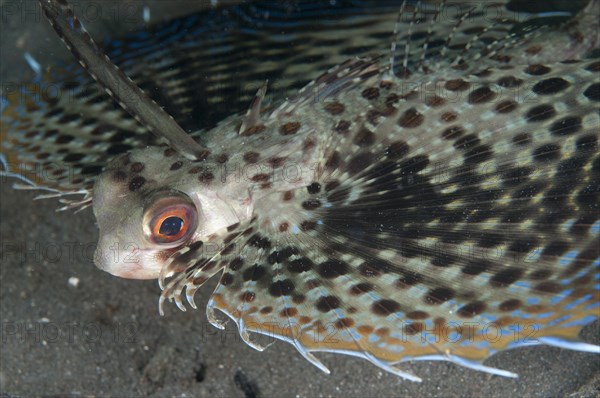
[(152, 203)]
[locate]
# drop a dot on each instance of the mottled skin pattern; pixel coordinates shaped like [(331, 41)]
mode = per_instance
[(73, 135), (66, 128), (446, 209)]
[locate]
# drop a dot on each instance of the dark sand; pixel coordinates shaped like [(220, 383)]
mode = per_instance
[(105, 337)]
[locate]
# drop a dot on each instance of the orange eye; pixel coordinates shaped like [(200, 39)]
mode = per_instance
[(170, 220)]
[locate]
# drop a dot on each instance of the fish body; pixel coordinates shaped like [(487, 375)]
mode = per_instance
[(445, 208)]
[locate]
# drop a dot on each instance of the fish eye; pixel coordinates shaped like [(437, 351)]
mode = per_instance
[(169, 218), (171, 226)]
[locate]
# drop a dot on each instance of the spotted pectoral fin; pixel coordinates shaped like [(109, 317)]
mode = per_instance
[(59, 131), (55, 138), (336, 279), (338, 79), (425, 239)]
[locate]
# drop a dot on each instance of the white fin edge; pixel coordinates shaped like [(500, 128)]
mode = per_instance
[(570, 345)]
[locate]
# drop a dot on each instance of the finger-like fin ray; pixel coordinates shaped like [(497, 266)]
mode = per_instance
[(116, 83)]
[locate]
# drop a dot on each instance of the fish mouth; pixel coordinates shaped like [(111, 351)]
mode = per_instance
[(127, 264), (135, 272)]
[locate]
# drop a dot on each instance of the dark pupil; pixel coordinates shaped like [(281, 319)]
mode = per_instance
[(171, 226)]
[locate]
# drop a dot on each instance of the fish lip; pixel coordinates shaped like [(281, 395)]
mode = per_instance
[(138, 272), (127, 264)]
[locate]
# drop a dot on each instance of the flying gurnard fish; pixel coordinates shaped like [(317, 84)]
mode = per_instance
[(395, 208)]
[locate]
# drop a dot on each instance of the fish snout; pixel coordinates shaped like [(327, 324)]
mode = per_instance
[(126, 260)]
